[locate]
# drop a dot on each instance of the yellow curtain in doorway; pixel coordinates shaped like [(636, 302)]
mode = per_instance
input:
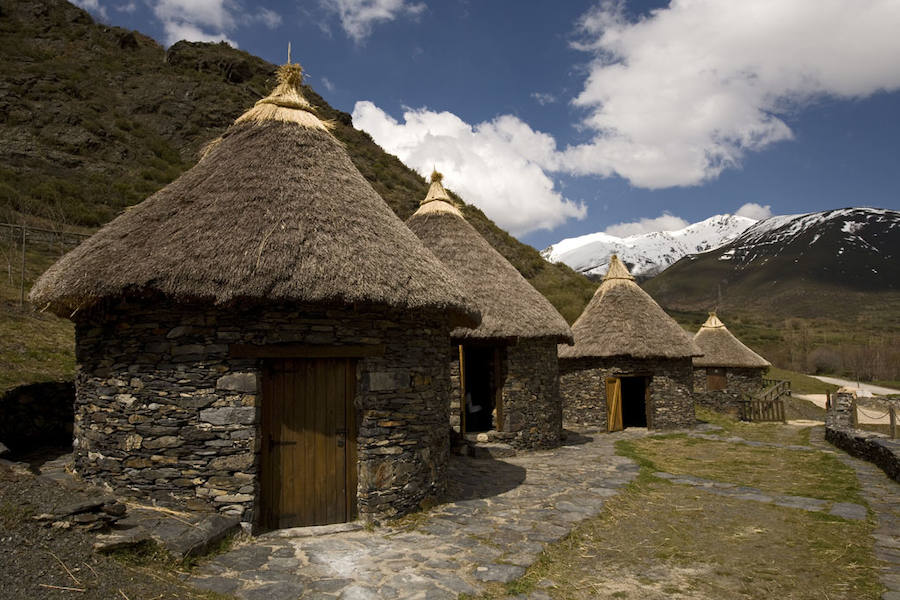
[(614, 404)]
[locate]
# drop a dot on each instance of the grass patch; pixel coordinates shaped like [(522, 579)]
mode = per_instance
[(800, 383), (656, 540), (775, 433), (773, 470)]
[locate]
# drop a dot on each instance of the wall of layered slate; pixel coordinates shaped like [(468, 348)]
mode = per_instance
[(582, 385), (532, 410), (738, 381), (163, 410), (874, 447)]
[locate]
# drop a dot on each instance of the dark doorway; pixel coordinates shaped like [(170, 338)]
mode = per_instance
[(481, 386), (634, 401)]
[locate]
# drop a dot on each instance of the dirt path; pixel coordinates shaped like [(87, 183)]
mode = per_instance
[(868, 387)]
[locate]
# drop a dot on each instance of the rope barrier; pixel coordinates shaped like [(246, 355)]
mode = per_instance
[(886, 413)]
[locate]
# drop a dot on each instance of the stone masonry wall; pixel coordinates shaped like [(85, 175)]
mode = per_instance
[(738, 381), (874, 447), (164, 411), (531, 404), (582, 384)]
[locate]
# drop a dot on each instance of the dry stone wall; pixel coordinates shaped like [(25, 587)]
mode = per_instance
[(874, 447), (163, 410), (738, 381), (582, 384)]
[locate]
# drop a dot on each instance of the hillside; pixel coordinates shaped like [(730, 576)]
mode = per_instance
[(817, 292), (96, 118)]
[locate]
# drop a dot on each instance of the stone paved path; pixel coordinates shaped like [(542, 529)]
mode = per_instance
[(501, 514), (883, 496)]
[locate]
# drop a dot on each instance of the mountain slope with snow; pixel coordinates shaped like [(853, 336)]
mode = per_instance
[(649, 253), (833, 263)]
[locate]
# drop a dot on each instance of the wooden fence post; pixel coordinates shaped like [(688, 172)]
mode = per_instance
[(893, 411), (854, 416), (22, 285)]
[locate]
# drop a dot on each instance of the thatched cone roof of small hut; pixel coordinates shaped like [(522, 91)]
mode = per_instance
[(623, 320), (721, 349), (274, 212), (511, 308)]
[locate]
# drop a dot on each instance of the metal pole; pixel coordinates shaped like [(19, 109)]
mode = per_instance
[(22, 286)]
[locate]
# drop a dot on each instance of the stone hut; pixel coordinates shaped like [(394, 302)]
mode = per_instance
[(727, 368), (505, 373), (631, 362), (264, 336)]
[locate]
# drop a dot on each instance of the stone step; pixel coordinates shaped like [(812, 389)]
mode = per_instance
[(490, 450)]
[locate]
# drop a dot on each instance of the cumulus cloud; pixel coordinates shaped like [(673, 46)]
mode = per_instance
[(496, 165), (664, 222), (208, 20), (752, 210), (358, 17), (683, 93)]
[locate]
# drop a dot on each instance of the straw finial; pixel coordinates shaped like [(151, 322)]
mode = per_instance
[(435, 176), (291, 75), (617, 270)]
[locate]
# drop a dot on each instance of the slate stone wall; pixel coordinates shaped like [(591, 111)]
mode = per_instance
[(531, 405), (582, 385), (35, 415), (738, 381), (532, 412), (164, 411)]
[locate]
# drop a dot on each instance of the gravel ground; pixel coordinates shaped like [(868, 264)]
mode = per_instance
[(35, 556)]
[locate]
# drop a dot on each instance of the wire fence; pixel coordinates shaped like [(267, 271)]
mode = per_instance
[(17, 239)]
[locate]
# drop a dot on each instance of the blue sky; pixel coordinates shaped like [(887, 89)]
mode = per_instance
[(565, 118)]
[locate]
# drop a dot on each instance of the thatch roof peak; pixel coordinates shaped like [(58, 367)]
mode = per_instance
[(721, 349), (511, 308), (623, 320), (617, 270), (286, 102), (436, 191)]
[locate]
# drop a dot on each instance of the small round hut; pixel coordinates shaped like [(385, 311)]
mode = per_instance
[(263, 336), (727, 370), (631, 362), (505, 374)]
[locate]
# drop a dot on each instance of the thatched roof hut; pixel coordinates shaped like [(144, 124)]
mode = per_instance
[(623, 320), (275, 211), (507, 371), (721, 349), (268, 324), (511, 308)]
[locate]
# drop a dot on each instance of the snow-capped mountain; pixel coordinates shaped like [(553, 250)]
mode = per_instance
[(649, 253), (830, 263)]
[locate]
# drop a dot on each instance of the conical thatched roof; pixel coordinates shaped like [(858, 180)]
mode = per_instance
[(510, 306), (623, 320), (274, 212), (721, 349)]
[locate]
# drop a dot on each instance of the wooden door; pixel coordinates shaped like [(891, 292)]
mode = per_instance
[(715, 379), (614, 404), (498, 389), (308, 462)]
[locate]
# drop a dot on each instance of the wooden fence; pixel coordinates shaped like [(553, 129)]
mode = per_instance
[(768, 405)]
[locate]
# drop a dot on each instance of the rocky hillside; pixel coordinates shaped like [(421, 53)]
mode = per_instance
[(95, 118)]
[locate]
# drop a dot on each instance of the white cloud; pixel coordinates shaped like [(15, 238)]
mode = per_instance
[(93, 6), (664, 222), (543, 98), (683, 93), (129, 7), (497, 165), (208, 20), (327, 83), (756, 211), (359, 16)]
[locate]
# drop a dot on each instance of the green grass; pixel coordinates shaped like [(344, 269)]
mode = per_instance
[(658, 540), (776, 433), (800, 383)]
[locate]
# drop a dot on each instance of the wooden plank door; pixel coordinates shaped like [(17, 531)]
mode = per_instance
[(308, 462), (614, 404)]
